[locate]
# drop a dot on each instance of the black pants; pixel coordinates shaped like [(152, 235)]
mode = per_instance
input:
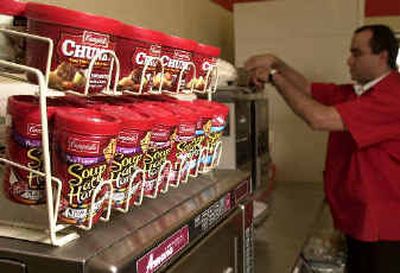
[(372, 257)]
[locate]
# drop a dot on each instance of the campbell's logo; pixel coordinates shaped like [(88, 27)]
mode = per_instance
[(219, 121), (159, 255), (127, 137), (34, 129), (83, 145), (187, 129), (160, 135), (182, 55), (84, 47), (155, 50), (95, 39)]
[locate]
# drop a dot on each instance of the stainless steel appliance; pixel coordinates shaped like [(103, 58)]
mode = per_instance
[(245, 142), (237, 138), (168, 234)]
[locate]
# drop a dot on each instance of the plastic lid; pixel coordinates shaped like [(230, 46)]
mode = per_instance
[(68, 17), (142, 34), (20, 104), (218, 108), (182, 114), (12, 7), (208, 50), (86, 121), (180, 43), (159, 115), (129, 118), (203, 111), (26, 105)]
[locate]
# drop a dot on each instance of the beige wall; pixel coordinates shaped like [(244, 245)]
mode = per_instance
[(313, 36), (200, 20), (392, 21)]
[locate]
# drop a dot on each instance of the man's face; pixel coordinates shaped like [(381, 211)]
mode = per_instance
[(364, 65)]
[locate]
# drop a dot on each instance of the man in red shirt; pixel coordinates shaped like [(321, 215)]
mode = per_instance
[(362, 170)]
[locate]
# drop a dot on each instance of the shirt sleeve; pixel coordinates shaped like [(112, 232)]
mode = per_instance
[(329, 94), (373, 117)]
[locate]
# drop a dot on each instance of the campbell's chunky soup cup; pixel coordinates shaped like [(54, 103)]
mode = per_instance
[(205, 60), (12, 47), (24, 146), (177, 57), (84, 146), (137, 47), (159, 147), (78, 37), (132, 142)]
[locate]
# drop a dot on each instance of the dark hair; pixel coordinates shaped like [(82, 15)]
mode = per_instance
[(383, 39)]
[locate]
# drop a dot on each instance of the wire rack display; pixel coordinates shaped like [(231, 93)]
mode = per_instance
[(40, 223)]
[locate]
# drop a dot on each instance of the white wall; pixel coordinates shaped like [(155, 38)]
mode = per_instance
[(313, 36), (201, 20)]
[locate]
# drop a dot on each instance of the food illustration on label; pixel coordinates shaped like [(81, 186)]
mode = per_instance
[(67, 77), (166, 80), (74, 53), (132, 81), (132, 75), (197, 83)]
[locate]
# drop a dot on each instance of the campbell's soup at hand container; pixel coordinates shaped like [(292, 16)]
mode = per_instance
[(177, 57), (137, 47), (84, 146), (132, 143), (24, 146), (78, 37), (159, 147), (203, 125), (183, 146), (205, 60), (214, 133)]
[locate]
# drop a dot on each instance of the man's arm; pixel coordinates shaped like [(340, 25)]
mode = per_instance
[(317, 115), (261, 66)]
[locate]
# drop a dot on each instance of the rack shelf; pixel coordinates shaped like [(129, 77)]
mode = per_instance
[(40, 223)]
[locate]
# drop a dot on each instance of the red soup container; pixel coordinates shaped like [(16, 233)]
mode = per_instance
[(132, 143), (177, 57), (84, 146), (78, 37), (184, 142), (12, 8), (159, 146), (24, 146), (205, 60), (95, 102), (137, 47), (203, 125), (12, 47), (214, 131)]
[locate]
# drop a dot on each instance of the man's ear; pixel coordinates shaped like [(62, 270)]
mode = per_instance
[(384, 56)]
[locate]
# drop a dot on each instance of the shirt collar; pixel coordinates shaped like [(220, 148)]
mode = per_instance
[(360, 89)]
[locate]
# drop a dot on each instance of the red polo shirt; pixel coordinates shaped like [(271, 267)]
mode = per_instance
[(362, 169)]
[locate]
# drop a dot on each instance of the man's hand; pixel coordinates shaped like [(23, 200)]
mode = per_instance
[(266, 61), (259, 68), (295, 90)]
